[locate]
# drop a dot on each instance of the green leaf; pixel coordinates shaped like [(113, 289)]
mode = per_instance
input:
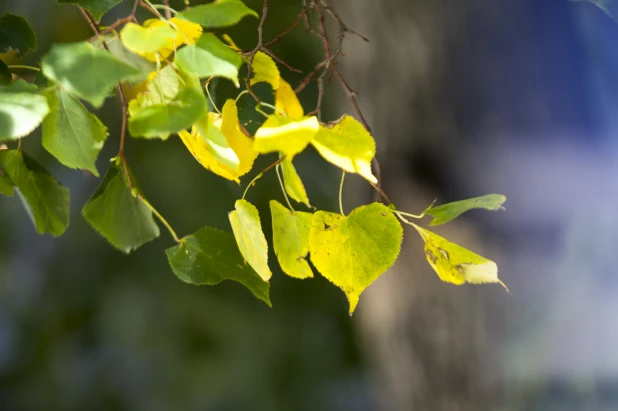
[(353, 251), (71, 133), (293, 184), (210, 256), (286, 135), (16, 34), (454, 264), (45, 199), (119, 216), (220, 13), (96, 7), (208, 57), (21, 110), (6, 186), (172, 103), (250, 238), (291, 239), (348, 145), (447, 212), (85, 71), (5, 74), (140, 39), (122, 53)]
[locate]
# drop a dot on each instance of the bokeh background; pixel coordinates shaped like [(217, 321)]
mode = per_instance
[(465, 98)]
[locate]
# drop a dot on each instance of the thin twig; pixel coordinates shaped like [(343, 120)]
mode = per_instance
[(286, 31), (257, 48), (168, 11)]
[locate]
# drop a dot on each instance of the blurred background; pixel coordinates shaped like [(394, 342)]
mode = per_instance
[(465, 98)]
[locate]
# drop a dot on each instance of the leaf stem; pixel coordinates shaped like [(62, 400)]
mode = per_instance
[(164, 7), (420, 230), (19, 66), (210, 97), (160, 217), (272, 107), (242, 93), (421, 215), (261, 173), (283, 187), (341, 193)]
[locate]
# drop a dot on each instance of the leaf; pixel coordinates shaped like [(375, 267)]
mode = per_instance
[(286, 100), (71, 133), (293, 184), (208, 57), (85, 71), (45, 199), (447, 212), (238, 141), (291, 239), (185, 32), (348, 145), (96, 7), (122, 53), (216, 142), (353, 251), (454, 264), (143, 40), (250, 238), (119, 216), (16, 34), (5, 74), (172, 103), (210, 256), (6, 186), (264, 69), (220, 13), (21, 110), (288, 136)]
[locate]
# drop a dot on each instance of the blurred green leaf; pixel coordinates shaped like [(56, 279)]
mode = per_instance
[(21, 110), (208, 57), (447, 212), (46, 200), (220, 13), (5, 74), (140, 39), (16, 34), (6, 186), (291, 239), (210, 256), (115, 213), (71, 133), (85, 71), (96, 7)]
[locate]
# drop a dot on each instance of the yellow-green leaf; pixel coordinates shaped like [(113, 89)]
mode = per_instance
[(240, 143), (454, 264), (293, 184), (217, 143), (286, 135), (447, 212), (185, 32), (353, 251), (286, 100), (250, 238), (219, 13), (265, 69), (291, 239), (348, 145), (143, 40)]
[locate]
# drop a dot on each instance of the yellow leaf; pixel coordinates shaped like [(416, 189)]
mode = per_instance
[(196, 144), (286, 100), (348, 145), (265, 69), (454, 264), (250, 238), (240, 143), (186, 33), (292, 183), (291, 239), (289, 136)]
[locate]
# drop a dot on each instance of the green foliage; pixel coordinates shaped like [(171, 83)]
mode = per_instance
[(291, 239), (16, 34), (209, 57), (447, 212), (6, 186), (71, 133), (96, 7), (45, 199), (210, 256), (5, 74), (140, 39), (220, 13), (118, 214), (22, 109)]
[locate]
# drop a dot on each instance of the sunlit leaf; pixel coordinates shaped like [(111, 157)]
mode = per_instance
[(144, 40), (96, 7), (348, 145), (454, 264), (265, 69), (216, 142), (353, 251), (293, 184), (119, 216), (286, 100), (286, 135), (21, 110), (291, 239), (45, 199), (447, 212), (85, 71), (71, 133), (6, 185), (185, 32), (238, 141), (16, 34), (250, 238), (210, 256), (220, 13)]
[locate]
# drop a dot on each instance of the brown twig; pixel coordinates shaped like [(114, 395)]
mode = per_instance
[(290, 28), (168, 13), (257, 48)]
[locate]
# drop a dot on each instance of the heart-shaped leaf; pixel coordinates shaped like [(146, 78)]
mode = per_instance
[(291, 239)]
